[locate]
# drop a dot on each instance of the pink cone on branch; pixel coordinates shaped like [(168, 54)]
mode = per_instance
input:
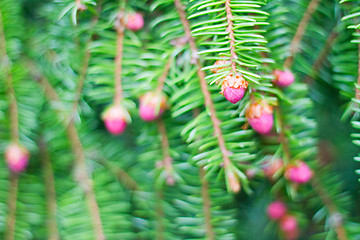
[(276, 210), (233, 87), (260, 117), (289, 227), (135, 22), (152, 106), (283, 78), (299, 172), (272, 167), (115, 118), (220, 63), (17, 157)]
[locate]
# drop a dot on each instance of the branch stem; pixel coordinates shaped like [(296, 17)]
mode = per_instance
[(204, 88), (210, 234), (229, 18), (11, 215), (120, 29), (160, 214), (164, 74), (167, 160), (52, 230), (294, 45), (81, 174)]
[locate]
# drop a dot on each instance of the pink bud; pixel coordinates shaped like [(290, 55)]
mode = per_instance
[(152, 106), (251, 172), (263, 124), (283, 78), (276, 210), (17, 157), (233, 87), (115, 119), (272, 167), (299, 173), (233, 95), (135, 22), (260, 117), (289, 226)]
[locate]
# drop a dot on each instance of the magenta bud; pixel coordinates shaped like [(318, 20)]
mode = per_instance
[(289, 226), (299, 173), (115, 119), (283, 78), (233, 95), (17, 157), (276, 210), (233, 87), (262, 124), (272, 167), (152, 106), (260, 117), (135, 22)]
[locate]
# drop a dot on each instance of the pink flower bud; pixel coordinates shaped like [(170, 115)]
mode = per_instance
[(17, 157), (289, 226), (251, 172), (152, 106), (299, 173), (276, 210), (115, 119), (233, 88), (283, 78), (260, 117), (135, 22), (272, 167)]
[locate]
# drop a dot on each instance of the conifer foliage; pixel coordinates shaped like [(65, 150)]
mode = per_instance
[(179, 119)]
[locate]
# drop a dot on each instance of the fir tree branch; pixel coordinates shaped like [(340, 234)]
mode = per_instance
[(167, 160), (234, 183), (81, 174), (294, 45), (11, 216), (85, 63), (120, 29), (337, 219), (210, 234), (229, 18), (160, 214), (52, 230)]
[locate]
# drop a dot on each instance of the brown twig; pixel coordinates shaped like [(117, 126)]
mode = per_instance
[(85, 63), (229, 18), (160, 214), (164, 74), (321, 57), (80, 166), (210, 234), (294, 45), (120, 28), (167, 160), (208, 101), (11, 216), (282, 136), (53, 233)]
